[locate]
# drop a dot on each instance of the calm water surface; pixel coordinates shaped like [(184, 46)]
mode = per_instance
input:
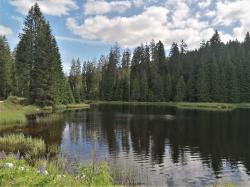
[(162, 145)]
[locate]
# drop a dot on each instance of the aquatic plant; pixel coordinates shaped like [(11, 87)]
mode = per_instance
[(27, 145), (49, 118)]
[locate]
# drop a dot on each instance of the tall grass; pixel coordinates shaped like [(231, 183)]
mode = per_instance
[(13, 112), (27, 145), (49, 118), (54, 173)]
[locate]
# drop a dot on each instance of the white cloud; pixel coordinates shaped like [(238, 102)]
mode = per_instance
[(231, 12), (5, 30), (152, 23), (49, 7), (98, 7), (204, 4), (170, 20)]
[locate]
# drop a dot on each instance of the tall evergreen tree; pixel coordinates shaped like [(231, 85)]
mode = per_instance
[(37, 62), (180, 89), (6, 66)]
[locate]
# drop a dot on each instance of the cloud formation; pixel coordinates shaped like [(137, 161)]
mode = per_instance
[(94, 7), (5, 31), (170, 22), (229, 13), (49, 7)]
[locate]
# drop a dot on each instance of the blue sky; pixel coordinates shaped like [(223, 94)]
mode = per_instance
[(87, 28)]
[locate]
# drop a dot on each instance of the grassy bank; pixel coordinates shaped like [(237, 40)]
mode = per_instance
[(183, 105), (13, 110), (17, 172)]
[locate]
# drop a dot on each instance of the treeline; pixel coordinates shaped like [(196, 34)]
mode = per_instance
[(34, 70), (216, 72)]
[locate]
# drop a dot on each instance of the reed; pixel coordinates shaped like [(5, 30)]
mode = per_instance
[(27, 145)]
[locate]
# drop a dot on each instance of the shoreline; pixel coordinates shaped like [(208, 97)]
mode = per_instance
[(14, 113), (182, 105)]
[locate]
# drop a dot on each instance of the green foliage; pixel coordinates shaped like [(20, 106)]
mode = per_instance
[(216, 72), (6, 66), (95, 174), (19, 173), (39, 76), (180, 89)]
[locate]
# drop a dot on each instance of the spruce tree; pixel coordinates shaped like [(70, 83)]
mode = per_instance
[(180, 90), (6, 66), (39, 75)]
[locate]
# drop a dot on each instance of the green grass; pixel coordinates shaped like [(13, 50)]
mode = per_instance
[(15, 113), (183, 105), (78, 106), (30, 147), (49, 118), (23, 174)]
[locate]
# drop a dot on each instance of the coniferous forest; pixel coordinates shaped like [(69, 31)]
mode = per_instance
[(215, 72)]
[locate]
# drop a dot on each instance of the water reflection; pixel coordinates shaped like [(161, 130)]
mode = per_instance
[(177, 147)]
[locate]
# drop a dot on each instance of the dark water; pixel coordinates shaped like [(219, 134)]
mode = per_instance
[(162, 145)]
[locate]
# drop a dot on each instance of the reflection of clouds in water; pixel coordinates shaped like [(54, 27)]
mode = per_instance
[(192, 172)]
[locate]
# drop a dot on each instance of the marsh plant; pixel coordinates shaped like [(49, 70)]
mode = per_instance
[(49, 118), (33, 147)]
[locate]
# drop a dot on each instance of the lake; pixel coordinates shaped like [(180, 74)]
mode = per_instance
[(160, 145)]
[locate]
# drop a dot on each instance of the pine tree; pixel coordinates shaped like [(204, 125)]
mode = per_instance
[(202, 84), (39, 75), (6, 66), (168, 87), (75, 79), (180, 89)]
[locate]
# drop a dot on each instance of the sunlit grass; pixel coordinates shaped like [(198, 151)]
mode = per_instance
[(49, 118), (12, 112), (27, 145), (54, 173), (182, 105), (78, 106)]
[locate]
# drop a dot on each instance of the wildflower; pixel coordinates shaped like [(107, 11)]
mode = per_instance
[(18, 155), (43, 170), (10, 165), (2, 155)]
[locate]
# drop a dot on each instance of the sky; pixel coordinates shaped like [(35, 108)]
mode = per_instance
[(86, 29)]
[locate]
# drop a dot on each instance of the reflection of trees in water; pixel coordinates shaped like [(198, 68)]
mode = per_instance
[(215, 136), (50, 132)]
